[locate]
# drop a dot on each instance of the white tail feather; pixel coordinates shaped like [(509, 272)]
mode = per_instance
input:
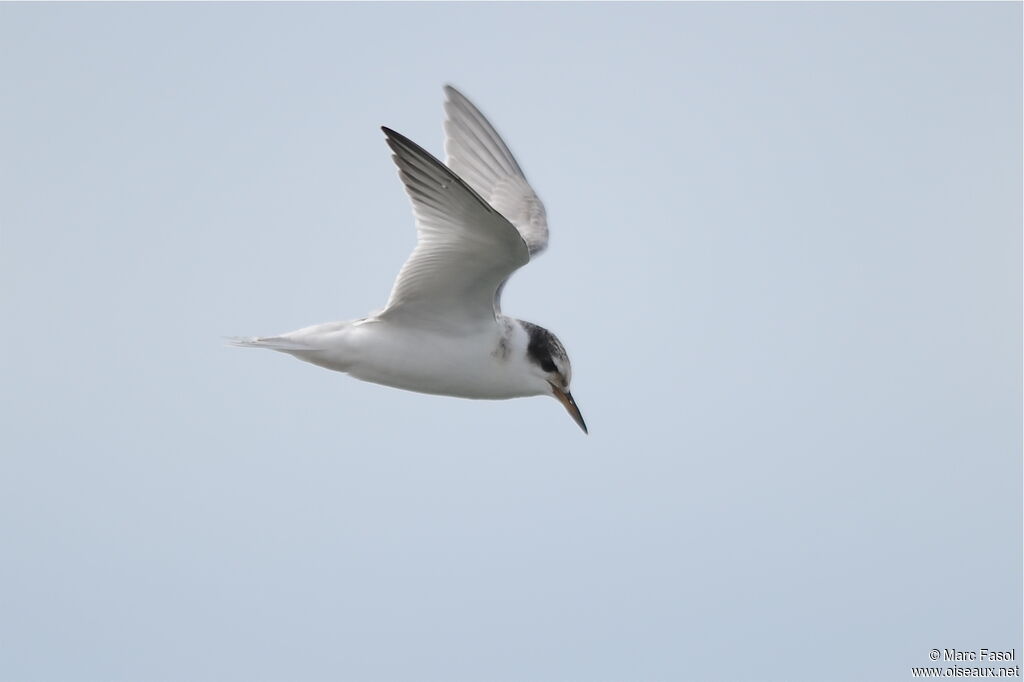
[(271, 342)]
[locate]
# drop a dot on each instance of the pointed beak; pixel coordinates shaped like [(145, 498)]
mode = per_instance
[(565, 398)]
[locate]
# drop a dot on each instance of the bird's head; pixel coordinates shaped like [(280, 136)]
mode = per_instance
[(548, 362)]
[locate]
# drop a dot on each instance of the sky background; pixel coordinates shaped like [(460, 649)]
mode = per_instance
[(785, 259)]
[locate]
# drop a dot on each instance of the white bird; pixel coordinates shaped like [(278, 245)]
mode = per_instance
[(442, 331)]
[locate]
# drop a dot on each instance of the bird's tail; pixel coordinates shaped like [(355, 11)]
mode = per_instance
[(271, 342)]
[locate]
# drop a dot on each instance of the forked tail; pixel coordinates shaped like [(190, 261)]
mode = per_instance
[(271, 342)]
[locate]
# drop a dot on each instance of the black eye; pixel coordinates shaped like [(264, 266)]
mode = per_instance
[(547, 365)]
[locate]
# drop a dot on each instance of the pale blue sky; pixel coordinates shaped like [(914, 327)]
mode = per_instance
[(785, 259)]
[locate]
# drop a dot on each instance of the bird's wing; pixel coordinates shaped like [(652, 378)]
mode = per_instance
[(465, 250), (479, 156)]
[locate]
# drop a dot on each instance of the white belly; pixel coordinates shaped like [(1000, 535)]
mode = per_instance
[(478, 366)]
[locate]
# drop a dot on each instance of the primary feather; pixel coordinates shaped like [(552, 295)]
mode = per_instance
[(478, 155), (465, 250)]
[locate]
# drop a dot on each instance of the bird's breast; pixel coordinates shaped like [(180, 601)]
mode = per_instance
[(469, 366)]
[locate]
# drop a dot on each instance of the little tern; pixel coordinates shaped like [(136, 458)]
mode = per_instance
[(442, 330)]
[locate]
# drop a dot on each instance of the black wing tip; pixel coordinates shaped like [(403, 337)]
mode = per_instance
[(397, 140), (404, 148)]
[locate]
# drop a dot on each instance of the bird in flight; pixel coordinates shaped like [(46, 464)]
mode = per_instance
[(442, 331)]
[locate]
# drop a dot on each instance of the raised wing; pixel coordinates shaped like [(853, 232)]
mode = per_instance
[(479, 156), (466, 249)]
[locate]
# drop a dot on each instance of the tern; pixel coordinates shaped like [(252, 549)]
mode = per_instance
[(442, 331)]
